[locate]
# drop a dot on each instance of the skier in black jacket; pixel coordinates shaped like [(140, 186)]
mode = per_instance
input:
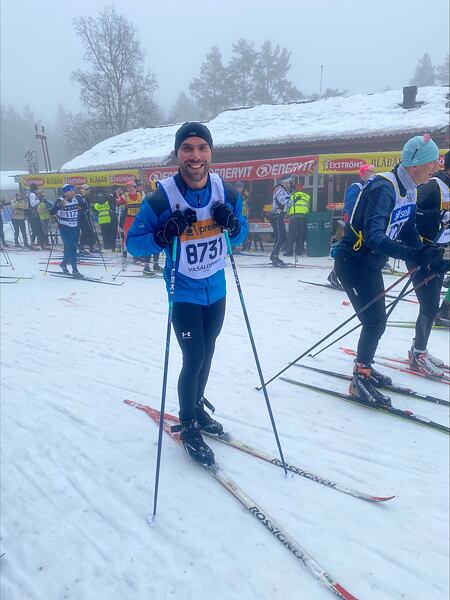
[(383, 225), (433, 214)]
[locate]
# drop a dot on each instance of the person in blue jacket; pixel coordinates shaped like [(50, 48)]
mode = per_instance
[(382, 224), (194, 206), (366, 171)]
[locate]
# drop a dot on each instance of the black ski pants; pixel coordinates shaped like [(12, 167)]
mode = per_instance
[(429, 296), (279, 233), (19, 224), (196, 328), (363, 285), (108, 235), (296, 235), (36, 229)]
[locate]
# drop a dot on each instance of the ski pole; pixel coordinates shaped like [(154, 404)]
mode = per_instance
[(122, 249), (7, 258), (151, 518), (391, 305), (255, 353), (51, 249), (328, 335)]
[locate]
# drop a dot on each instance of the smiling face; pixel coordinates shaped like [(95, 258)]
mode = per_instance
[(194, 157), (422, 173)]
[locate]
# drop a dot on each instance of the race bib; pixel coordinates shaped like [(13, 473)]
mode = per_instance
[(399, 217), (203, 250)]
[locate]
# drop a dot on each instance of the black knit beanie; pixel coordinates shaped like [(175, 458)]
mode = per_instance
[(192, 129)]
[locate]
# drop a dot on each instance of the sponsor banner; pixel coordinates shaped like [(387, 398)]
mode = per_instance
[(92, 178), (255, 170), (350, 163)]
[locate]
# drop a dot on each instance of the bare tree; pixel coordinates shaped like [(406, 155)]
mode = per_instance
[(117, 90)]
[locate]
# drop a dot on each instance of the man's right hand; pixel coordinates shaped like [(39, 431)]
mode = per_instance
[(431, 258), (173, 228)]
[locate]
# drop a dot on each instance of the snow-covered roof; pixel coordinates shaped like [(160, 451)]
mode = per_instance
[(7, 180), (359, 116)]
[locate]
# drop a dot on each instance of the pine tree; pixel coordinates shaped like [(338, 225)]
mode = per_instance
[(241, 70), (443, 72), (183, 110), (271, 83), (424, 73), (211, 90)]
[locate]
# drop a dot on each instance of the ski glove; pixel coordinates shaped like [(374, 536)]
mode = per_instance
[(173, 228), (430, 258), (224, 216)]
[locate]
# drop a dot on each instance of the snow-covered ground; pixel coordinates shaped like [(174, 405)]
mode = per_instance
[(78, 464)]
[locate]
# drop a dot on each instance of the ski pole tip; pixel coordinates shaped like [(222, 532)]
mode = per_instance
[(258, 389), (151, 519)]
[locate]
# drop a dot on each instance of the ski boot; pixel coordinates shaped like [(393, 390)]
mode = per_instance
[(64, 268), (437, 362), (194, 444), (157, 268), (205, 422), (146, 270), (420, 361), (77, 275), (379, 380), (277, 262), (363, 389), (334, 281)]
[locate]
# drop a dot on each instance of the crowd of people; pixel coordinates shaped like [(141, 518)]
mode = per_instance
[(38, 223), (192, 216)]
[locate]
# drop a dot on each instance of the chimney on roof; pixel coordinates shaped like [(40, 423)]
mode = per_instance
[(409, 96)]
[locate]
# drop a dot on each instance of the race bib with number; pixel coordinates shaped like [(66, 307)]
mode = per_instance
[(202, 250)]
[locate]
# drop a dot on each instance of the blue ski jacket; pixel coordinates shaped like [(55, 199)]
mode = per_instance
[(155, 212)]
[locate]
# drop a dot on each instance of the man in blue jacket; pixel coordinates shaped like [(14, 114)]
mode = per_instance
[(382, 224), (195, 206)]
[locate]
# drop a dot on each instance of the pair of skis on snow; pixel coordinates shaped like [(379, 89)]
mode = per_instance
[(256, 510), (13, 278), (397, 412), (90, 279)]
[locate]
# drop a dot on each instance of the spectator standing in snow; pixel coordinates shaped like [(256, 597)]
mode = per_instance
[(19, 210), (298, 208), (33, 217), (85, 225), (280, 199), (365, 172)]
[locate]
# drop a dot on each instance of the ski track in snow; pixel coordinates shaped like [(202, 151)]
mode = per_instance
[(78, 464)]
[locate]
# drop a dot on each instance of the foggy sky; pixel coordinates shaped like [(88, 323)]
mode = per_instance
[(363, 46)]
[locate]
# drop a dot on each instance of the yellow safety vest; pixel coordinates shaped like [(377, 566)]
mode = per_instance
[(299, 204), (103, 209), (43, 213)]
